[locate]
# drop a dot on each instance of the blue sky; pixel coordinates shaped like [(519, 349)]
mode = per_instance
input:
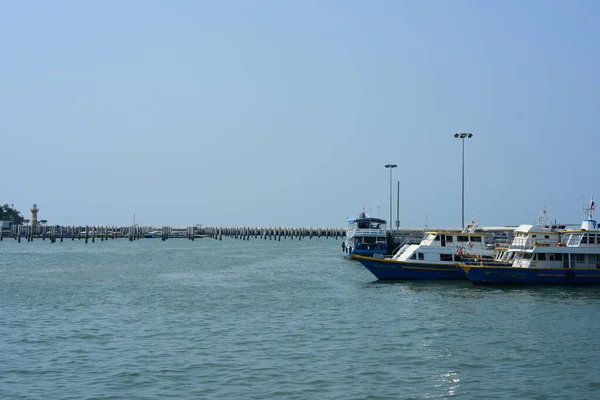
[(285, 112)]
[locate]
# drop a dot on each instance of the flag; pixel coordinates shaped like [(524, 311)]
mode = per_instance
[(592, 205), (459, 250)]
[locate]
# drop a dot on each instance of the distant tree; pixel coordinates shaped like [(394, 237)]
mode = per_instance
[(8, 213), (43, 221)]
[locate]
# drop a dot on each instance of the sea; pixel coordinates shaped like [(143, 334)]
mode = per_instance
[(270, 319)]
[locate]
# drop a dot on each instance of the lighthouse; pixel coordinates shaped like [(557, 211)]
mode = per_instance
[(34, 210)]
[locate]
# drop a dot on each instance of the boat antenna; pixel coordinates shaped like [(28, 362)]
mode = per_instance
[(543, 218), (588, 210)]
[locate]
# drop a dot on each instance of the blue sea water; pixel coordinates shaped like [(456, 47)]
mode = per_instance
[(266, 319)]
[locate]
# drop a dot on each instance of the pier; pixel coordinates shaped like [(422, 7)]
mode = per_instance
[(91, 233)]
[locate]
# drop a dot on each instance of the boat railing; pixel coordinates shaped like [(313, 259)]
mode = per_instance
[(405, 243), (366, 232), (501, 243), (529, 244)]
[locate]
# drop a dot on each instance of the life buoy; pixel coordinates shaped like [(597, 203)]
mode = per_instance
[(470, 244)]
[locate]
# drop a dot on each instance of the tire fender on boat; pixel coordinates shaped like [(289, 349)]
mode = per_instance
[(571, 275)]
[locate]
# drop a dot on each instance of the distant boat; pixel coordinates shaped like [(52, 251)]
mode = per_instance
[(435, 257), (153, 234), (544, 254), (365, 236)]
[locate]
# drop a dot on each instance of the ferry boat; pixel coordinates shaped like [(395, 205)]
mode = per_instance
[(365, 236), (545, 254), (435, 257)]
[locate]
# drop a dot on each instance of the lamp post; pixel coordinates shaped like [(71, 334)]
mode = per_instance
[(390, 166), (463, 136)]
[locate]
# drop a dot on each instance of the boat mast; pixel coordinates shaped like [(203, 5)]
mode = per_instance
[(589, 209)]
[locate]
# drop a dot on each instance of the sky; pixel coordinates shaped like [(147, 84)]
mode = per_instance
[(284, 113)]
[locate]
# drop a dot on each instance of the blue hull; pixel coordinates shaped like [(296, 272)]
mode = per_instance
[(482, 275), (364, 253), (387, 269)]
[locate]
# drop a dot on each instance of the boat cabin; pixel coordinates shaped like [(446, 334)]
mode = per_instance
[(438, 247), (366, 235), (547, 247)]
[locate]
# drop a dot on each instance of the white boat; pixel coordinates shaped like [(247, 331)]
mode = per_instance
[(153, 234), (436, 256), (365, 236), (545, 254)]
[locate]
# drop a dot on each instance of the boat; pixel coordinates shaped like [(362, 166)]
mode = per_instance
[(435, 256), (365, 236), (153, 234), (545, 254)]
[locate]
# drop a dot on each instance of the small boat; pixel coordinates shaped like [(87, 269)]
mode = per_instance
[(545, 254), (153, 234), (365, 236), (435, 257)]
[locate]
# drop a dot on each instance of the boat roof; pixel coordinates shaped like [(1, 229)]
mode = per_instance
[(367, 219), (526, 228), (589, 225), (455, 233)]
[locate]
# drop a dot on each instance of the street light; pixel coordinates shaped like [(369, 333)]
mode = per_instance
[(463, 136), (390, 166)]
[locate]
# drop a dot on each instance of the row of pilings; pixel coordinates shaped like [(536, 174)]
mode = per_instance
[(272, 233), (92, 233)]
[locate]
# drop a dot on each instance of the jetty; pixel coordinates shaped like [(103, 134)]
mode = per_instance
[(91, 233)]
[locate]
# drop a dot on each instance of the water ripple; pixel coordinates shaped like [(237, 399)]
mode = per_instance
[(264, 319)]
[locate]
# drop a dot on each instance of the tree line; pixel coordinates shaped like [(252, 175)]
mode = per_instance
[(9, 213)]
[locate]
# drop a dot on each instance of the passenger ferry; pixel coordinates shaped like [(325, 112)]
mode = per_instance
[(544, 254), (365, 236), (435, 257)]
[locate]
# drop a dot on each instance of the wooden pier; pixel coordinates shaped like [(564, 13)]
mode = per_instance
[(90, 233)]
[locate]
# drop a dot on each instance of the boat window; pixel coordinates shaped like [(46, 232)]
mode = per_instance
[(445, 257), (547, 236), (551, 257), (592, 239), (463, 238), (449, 238), (580, 258), (437, 237), (533, 236), (476, 239), (584, 239), (413, 257), (421, 256), (575, 239), (541, 257), (558, 257), (527, 256)]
